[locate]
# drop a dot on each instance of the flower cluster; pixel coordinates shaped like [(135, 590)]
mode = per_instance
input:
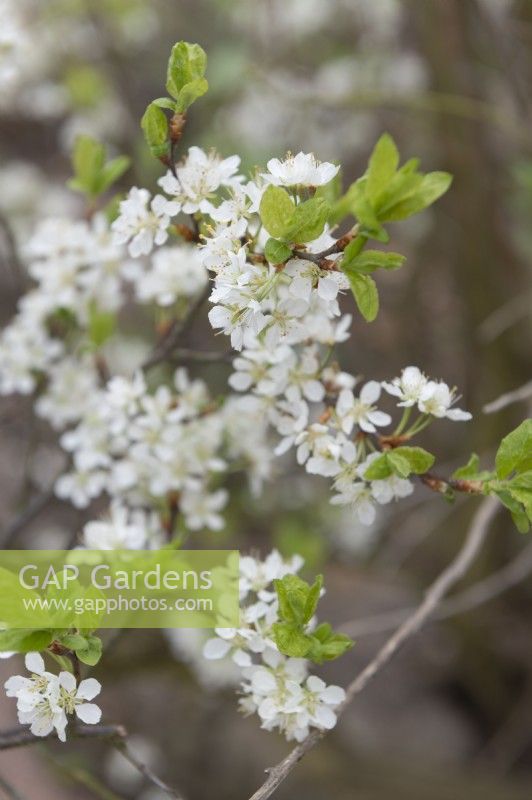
[(277, 688), (45, 701), (150, 449), (285, 319)]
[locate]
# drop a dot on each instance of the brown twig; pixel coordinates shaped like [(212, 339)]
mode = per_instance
[(480, 593), (450, 575), (22, 737), (12, 257), (117, 734), (146, 771), (517, 396), (169, 342), (10, 791), (34, 508)]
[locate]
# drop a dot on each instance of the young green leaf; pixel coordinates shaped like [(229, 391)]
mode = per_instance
[(276, 211), (308, 221), (383, 163), (22, 640), (379, 469), (369, 260), (88, 159), (74, 641), (277, 252), (185, 80), (313, 597), (469, 470), (419, 460), (399, 464), (293, 594), (515, 451), (92, 653), (102, 325), (112, 171), (520, 517), (365, 293), (155, 127), (290, 640), (424, 193)]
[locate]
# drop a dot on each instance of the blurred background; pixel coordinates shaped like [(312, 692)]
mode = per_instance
[(451, 717)]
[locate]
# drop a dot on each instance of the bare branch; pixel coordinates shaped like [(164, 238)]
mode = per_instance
[(117, 734), (482, 592), (21, 737), (32, 510), (12, 257), (523, 393), (146, 771), (10, 791), (450, 575), (183, 355), (166, 347), (500, 320)]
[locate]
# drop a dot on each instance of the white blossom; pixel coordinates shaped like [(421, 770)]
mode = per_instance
[(361, 410), (302, 169), (142, 225)]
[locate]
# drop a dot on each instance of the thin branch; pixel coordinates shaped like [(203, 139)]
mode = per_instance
[(117, 735), (33, 509), (166, 347), (10, 791), (82, 776), (146, 771), (480, 593), (12, 257), (512, 312), (184, 354), (517, 396), (450, 575), (22, 737)]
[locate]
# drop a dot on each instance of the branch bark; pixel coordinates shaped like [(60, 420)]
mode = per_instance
[(482, 592), (438, 589), (116, 734)]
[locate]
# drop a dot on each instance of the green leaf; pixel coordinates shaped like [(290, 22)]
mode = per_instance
[(190, 93), (308, 221), (277, 252), (402, 461), (419, 460), (164, 102), (290, 640), (276, 211), (424, 193), (92, 175), (102, 325), (313, 597), (383, 163), (515, 451), (366, 295), (379, 469), (185, 80), (469, 470), (369, 260), (74, 641), (112, 171), (155, 126), (293, 594), (22, 640), (399, 464), (92, 653), (88, 159), (514, 506), (328, 645)]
